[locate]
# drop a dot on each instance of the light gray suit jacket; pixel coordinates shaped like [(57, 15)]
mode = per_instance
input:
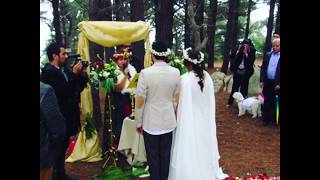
[(158, 85)]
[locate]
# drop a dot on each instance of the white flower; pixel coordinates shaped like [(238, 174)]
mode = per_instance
[(105, 74), (194, 61), (177, 61), (117, 71), (165, 53), (93, 73)]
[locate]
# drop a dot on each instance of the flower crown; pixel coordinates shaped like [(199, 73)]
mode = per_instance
[(124, 55), (165, 53), (194, 61)]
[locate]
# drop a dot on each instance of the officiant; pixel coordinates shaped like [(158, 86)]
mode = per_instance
[(120, 98)]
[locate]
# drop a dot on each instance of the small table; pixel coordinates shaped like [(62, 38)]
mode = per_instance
[(131, 143)]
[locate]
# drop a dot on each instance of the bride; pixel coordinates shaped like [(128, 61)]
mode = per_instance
[(195, 152)]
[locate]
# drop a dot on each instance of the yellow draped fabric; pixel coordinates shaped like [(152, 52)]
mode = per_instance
[(87, 150), (106, 34), (113, 33)]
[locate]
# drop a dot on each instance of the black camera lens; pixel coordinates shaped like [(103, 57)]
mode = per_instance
[(85, 63)]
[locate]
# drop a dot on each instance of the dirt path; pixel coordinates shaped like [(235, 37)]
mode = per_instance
[(244, 145)]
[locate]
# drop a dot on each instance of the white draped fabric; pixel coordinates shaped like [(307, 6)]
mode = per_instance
[(195, 152)]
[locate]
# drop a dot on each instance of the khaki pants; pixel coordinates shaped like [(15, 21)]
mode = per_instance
[(46, 174)]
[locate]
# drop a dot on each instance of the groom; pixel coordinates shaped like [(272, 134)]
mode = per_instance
[(155, 110)]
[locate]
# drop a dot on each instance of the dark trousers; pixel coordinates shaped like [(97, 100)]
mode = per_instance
[(269, 106), (158, 149), (58, 169), (241, 82)]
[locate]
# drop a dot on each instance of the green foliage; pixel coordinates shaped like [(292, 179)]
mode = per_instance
[(104, 75), (89, 126), (43, 61), (254, 32), (76, 11), (256, 35), (177, 62), (113, 173), (242, 26)]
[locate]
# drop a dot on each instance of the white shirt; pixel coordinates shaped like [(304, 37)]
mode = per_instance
[(241, 66), (159, 132), (132, 72)]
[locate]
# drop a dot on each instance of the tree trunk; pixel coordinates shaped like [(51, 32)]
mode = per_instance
[(63, 13), (137, 13), (277, 29), (176, 38), (56, 21), (98, 11), (186, 27), (246, 35), (228, 36), (197, 44), (236, 27), (164, 20), (212, 16), (118, 10), (67, 23), (199, 4), (269, 27)]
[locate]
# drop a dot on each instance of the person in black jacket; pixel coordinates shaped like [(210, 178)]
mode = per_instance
[(270, 82), (52, 130), (67, 85), (242, 69)]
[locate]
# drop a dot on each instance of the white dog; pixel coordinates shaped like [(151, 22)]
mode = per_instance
[(250, 104)]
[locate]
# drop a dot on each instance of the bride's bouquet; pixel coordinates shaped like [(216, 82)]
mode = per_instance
[(104, 75)]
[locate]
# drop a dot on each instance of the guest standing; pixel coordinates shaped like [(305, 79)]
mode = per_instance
[(270, 82)]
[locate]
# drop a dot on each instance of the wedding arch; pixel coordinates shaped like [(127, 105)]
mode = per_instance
[(106, 34), (109, 34)]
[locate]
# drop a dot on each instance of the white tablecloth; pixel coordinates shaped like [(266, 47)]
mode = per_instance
[(131, 143)]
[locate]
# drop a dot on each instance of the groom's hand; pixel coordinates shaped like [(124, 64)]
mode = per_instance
[(139, 130)]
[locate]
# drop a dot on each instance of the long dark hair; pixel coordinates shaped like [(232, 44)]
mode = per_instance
[(197, 68)]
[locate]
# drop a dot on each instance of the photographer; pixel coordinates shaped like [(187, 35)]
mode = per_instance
[(242, 69), (68, 84)]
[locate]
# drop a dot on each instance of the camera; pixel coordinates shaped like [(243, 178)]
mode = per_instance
[(76, 58)]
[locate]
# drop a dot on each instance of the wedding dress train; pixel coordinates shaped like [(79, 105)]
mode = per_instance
[(195, 154)]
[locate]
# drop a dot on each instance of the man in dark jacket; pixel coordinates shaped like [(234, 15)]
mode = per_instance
[(242, 69), (52, 130), (67, 85), (270, 82)]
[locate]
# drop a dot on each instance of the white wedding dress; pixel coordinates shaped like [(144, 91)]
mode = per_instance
[(194, 153)]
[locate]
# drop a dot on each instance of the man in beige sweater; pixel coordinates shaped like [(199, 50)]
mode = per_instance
[(155, 110)]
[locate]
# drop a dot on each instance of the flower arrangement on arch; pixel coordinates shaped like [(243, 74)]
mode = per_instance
[(177, 62), (104, 75)]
